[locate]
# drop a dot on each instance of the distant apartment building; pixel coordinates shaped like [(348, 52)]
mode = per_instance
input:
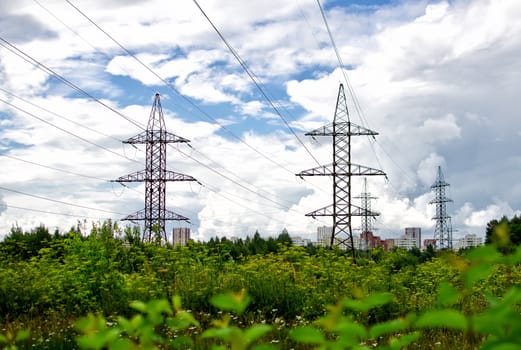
[(411, 238), (369, 241), (388, 244), (181, 235), (324, 235), (429, 242), (469, 240), (414, 233), (299, 241)]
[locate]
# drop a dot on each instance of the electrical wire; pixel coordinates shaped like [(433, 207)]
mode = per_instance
[(166, 83), (66, 131), (234, 175), (7, 206), (34, 163), (63, 170), (372, 139), (177, 92), (28, 58), (52, 168), (60, 116), (341, 67), (58, 201), (31, 60), (279, 205), (255, 81)]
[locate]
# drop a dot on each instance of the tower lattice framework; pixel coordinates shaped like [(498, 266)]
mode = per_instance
[(155, 176), (367, 214), (342, 170), (443, 229)]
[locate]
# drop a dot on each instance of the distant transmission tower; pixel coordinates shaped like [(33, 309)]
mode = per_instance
[(342, 210), (367, 215), (155, 176), (443, 230)]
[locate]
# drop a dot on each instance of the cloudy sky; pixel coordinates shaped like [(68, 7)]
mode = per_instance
[(439, 81)]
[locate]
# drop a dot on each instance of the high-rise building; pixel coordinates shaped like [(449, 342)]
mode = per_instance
[(415, 233), (469, 240), (388, 244), (410, 239), (181, 235), (429, 242), (324, 235), (299, 241), (369, 241)]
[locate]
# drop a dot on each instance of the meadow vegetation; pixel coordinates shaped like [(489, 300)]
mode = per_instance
[(108, 290)]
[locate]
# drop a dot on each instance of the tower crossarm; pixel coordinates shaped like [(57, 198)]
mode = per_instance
[(441, 200), (169, 215), (439, 184), (167, 175), (359, 211), (323, 170), (155, 136), (365, 195), (341, 129), (441, 217), (355, 211), (325, 211), (329, 170), (362, 170)]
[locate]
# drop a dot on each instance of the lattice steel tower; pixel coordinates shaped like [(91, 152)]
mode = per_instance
[(367, 215), (155, 176), (443, 229), (342, 210)]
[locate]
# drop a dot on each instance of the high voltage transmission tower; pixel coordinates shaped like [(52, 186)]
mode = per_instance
[(155, 176), (367, 215), (342, 170), (443, 229)]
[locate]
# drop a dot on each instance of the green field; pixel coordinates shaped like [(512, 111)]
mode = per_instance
[(284, 297)]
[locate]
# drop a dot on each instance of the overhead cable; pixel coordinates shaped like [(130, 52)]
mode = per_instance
[(255, 80), (65, 131), (57, 201)]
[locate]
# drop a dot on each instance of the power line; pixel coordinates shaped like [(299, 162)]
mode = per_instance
[(65, 131), (233, 174), (62, 170), (341, 67), (166, 83), (255, 80), (60, 116), (28, 58), (234, 181), (56, 169), (49, 71), (7, 206), (57, 201), (170, 86), (350, 88), (51, 168), (220, 193)]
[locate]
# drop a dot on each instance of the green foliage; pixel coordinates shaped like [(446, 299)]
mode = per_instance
[(391, 300), (340, 330), (142, 331), (233, 337), (9, 340), (504, 233)]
